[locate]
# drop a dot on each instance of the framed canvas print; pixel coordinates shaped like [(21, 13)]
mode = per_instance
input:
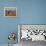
[(32, 32), (10, 11)]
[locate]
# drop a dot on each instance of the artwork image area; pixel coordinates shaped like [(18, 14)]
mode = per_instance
[(10, 11), (33, 32)]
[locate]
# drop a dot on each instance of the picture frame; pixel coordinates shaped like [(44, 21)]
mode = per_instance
[(10, 11)]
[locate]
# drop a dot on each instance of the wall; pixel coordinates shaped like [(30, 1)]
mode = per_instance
[(7, 24), (33, 11), (28, 12)]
